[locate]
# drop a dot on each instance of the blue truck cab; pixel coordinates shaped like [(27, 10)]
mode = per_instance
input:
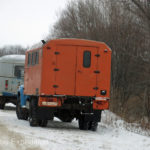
[(23, 98)]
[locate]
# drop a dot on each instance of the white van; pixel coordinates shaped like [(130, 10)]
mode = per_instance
[(11, 77)]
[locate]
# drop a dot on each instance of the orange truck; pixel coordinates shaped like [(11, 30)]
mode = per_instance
[(67, 79)]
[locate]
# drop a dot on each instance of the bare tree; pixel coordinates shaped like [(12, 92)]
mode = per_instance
[(12, 49), (111, 22)]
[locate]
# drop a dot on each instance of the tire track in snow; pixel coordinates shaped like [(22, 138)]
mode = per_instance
[(12, 140)]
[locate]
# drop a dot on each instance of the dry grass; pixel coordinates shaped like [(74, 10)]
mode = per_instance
[(115, 121)]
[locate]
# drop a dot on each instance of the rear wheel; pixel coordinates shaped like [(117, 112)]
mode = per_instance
[(21, 113), (93, 125), (2, 106), (33, 121), (83, 124), (2, 103), (89, 122)]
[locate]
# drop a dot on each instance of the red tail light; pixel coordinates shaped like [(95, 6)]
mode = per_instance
[(6, 84), (49, 102)]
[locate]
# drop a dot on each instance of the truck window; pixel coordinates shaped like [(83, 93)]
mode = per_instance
[(86, 59), (19, 71), (33, 61), (36, 57), (29, 59)]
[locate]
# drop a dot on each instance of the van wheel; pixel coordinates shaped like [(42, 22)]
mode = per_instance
[(2, 104), (20, 112), (43, 123), (83, 125), (33, 121)]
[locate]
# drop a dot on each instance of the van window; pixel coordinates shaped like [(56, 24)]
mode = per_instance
[(36, 57), (19, 71), (86, 59), (29, 58)]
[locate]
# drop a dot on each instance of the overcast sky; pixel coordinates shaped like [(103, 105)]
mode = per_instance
[(26, 22)]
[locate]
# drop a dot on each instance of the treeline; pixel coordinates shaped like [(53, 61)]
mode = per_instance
[(12, 49), (125, 26)]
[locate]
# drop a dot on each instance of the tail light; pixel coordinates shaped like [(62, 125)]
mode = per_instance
[(6, 84), (100, 104), (49, 102)]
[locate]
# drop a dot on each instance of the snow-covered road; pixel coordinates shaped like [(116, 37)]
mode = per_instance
[(18, 135)]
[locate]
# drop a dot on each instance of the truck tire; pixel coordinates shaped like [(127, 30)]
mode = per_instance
[(33, 121), (83, 124), (2, 103), (2, 106), (93, 126), (21, 112), (94, 121), (89, 122)]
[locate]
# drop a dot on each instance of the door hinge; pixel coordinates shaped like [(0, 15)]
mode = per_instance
[(55, 86), (96, 88), (97, 55), (57, 53), (96, 71), (56, 69)]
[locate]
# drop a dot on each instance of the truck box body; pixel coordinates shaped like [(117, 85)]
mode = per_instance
[(68, 67), (67, 79)]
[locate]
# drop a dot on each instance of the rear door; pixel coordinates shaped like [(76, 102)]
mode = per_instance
[(87, 71), (65, 70), (103, 80)]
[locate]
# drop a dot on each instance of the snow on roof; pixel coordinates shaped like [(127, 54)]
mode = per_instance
[(13, 59)]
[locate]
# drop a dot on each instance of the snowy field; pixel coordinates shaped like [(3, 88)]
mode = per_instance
[(112, 134)]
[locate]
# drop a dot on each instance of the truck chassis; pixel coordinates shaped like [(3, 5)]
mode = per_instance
[(80, 108)]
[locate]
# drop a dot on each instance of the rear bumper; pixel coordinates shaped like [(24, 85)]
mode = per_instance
[(98, 103), (101, 103)]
